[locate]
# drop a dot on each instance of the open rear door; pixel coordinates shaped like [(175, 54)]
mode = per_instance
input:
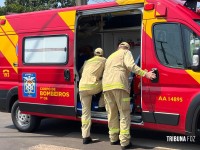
[(46, 66)]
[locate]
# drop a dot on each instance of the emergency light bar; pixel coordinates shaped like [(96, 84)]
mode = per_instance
[(194, 5)]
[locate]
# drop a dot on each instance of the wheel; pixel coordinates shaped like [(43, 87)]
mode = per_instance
[(24, 122), (198, 127)]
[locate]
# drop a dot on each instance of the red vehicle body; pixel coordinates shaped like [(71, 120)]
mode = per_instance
[(45, 46)]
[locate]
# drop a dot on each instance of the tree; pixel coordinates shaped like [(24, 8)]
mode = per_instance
[(20, 6), (81, 2), (2, 11)]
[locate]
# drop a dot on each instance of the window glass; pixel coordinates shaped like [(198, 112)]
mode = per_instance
[(197, 21), (168, 46), (191, 42), (50, 49)]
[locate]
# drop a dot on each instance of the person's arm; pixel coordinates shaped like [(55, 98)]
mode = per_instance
[(131, 66)]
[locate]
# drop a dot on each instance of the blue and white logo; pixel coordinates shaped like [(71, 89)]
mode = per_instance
[(29, 85)]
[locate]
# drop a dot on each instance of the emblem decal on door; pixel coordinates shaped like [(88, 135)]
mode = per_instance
[(29, 85)]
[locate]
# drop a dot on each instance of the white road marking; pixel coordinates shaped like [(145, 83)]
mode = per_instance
[(50, 147), (164, 148)]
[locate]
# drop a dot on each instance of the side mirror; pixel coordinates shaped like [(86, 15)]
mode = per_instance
[(195, 60)]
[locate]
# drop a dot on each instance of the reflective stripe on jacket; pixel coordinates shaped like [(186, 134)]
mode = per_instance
[(91, 76)]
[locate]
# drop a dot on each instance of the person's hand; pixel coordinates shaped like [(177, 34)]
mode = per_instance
[(150, 75)]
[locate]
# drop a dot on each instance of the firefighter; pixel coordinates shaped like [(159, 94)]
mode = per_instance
[(89, 85), (116, 93)]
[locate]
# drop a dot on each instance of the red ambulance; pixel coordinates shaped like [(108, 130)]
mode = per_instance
[(40, 56)]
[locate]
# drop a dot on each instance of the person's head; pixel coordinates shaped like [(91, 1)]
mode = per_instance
[(98, 52), (124, 45)]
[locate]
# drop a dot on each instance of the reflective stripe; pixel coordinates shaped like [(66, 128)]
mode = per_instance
[(113, 86), (95, 58), (126, 99), (124, 132), (85, 121), (114, 130), (88, 86), (141, 73)]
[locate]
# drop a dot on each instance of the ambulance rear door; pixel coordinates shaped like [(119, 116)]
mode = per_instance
[(46, 65)]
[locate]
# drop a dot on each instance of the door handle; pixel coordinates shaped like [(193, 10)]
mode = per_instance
[(67, 75), (155, 70), (15, 64)]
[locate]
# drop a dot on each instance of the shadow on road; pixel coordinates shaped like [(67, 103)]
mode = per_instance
[(141, 138)]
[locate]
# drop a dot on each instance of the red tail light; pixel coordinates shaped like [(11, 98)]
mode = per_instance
[(149, 6), (2, 21)]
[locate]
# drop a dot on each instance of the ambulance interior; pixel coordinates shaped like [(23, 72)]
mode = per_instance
[(107, 30)]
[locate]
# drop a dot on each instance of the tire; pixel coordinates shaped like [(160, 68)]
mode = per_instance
[(24, 122), (197, 128)]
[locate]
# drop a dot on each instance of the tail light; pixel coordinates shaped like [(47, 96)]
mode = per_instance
[(2, 21)]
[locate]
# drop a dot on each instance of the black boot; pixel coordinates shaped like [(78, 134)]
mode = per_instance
[(87, 140), (115, 143), (129, 146)]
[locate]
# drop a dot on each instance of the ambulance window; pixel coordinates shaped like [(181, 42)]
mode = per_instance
[(168, 45), (198, 22), (191, 42), (45, 50)]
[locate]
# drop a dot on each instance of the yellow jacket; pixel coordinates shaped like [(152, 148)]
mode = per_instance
[(92, 71), (117, 69)]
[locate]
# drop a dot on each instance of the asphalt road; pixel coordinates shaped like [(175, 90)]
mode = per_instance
[(55, 134)]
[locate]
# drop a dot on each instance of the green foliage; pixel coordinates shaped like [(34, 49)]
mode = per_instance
[(20, 6), (2, 11), (14, 8)]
